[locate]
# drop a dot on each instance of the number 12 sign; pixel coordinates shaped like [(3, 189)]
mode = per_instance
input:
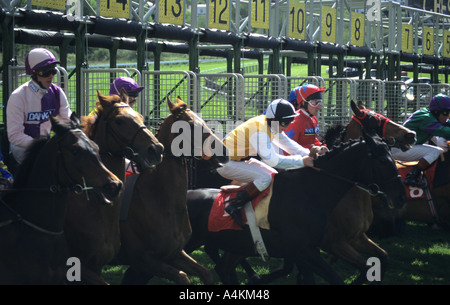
[(219, 14)]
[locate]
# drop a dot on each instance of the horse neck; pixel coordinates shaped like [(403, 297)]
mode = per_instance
[(172, 168), (115, 163), (42, 208), (344, 170)]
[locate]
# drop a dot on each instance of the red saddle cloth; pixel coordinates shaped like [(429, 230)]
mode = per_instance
[(415, 192), (219, 219)]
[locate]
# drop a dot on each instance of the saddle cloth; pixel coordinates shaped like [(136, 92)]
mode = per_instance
[(414, 192), (220, 220)]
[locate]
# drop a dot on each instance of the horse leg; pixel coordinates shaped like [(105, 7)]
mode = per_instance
[(286, 269), (346, 252), (365, 245), (253, 277), (135, 277), (91, 277), (311, 260), (188, 264), (152, 266), (229, 264)]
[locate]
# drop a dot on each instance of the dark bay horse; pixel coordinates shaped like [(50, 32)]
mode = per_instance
[(300, 206), (157, 227), (92, 228), (346, 233), (418, 209), (32, 213)]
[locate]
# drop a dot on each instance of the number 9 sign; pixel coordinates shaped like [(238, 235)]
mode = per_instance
[(328, 33)]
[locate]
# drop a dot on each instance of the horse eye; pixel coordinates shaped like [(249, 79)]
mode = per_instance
[(75, 151)]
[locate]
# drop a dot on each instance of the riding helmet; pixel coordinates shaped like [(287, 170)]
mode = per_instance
[(127, 83), (440, 102), (38, 59), (305, 93), (280, 109)]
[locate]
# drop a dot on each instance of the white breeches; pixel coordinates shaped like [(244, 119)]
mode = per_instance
[(251, 170), (428, 152)]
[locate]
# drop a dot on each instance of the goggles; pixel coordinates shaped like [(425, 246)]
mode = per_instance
[(133, 94), (48, 72), (315, 103)]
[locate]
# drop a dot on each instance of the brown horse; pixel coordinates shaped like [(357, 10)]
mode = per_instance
[(157, 227), (92, 228), (419, 209), (346, 237), (32, 213)]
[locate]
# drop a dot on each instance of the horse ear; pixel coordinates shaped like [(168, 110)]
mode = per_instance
[(361, 105), (358, 113), (75, 120), (171, 105), (123, 95), (370, 138), (56, 126), (102, 99)]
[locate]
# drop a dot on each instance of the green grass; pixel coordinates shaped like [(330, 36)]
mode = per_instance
[(420, 256)]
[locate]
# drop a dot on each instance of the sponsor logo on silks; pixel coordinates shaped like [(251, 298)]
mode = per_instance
[(40, 116), (311, 131)]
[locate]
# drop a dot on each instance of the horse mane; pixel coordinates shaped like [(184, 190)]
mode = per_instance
[(89, 122), (335, 135), (178, 108), (337, 149), (31, 154)]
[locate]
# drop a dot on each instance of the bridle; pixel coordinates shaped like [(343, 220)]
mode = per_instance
[(372, 189), (53, 188), (128, 151)]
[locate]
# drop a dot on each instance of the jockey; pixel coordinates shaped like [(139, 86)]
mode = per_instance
[(30, 106), (427, 123), (307, 100), (130, 86), (261, 137)]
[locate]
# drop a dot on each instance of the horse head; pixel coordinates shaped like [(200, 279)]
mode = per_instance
[(89, 175), (395, 134), (190, 136), (384, 171), (120, 131)]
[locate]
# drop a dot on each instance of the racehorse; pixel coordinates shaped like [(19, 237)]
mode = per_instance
[(32, 213), (346, 234), (419, 209), (92, 228), (157, 227), (298, 217)]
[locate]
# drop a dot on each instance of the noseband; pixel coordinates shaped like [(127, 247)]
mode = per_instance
[(128, 151)]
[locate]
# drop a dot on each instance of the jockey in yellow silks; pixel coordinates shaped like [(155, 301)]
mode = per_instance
[(255, 153)]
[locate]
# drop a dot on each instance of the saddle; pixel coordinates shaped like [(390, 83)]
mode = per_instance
[(220, 220), (429, 175)]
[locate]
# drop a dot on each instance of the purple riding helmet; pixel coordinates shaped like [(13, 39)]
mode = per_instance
[(440, 102), (129, 84)]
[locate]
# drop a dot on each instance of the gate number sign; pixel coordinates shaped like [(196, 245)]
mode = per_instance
[(171, 11), (115, 8), (296, 15)]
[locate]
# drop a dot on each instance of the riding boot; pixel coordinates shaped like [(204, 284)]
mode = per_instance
[(413, 178), (247, 193)]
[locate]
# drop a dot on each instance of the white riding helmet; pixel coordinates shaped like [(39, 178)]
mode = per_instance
[(280, 110), (39, 58)]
